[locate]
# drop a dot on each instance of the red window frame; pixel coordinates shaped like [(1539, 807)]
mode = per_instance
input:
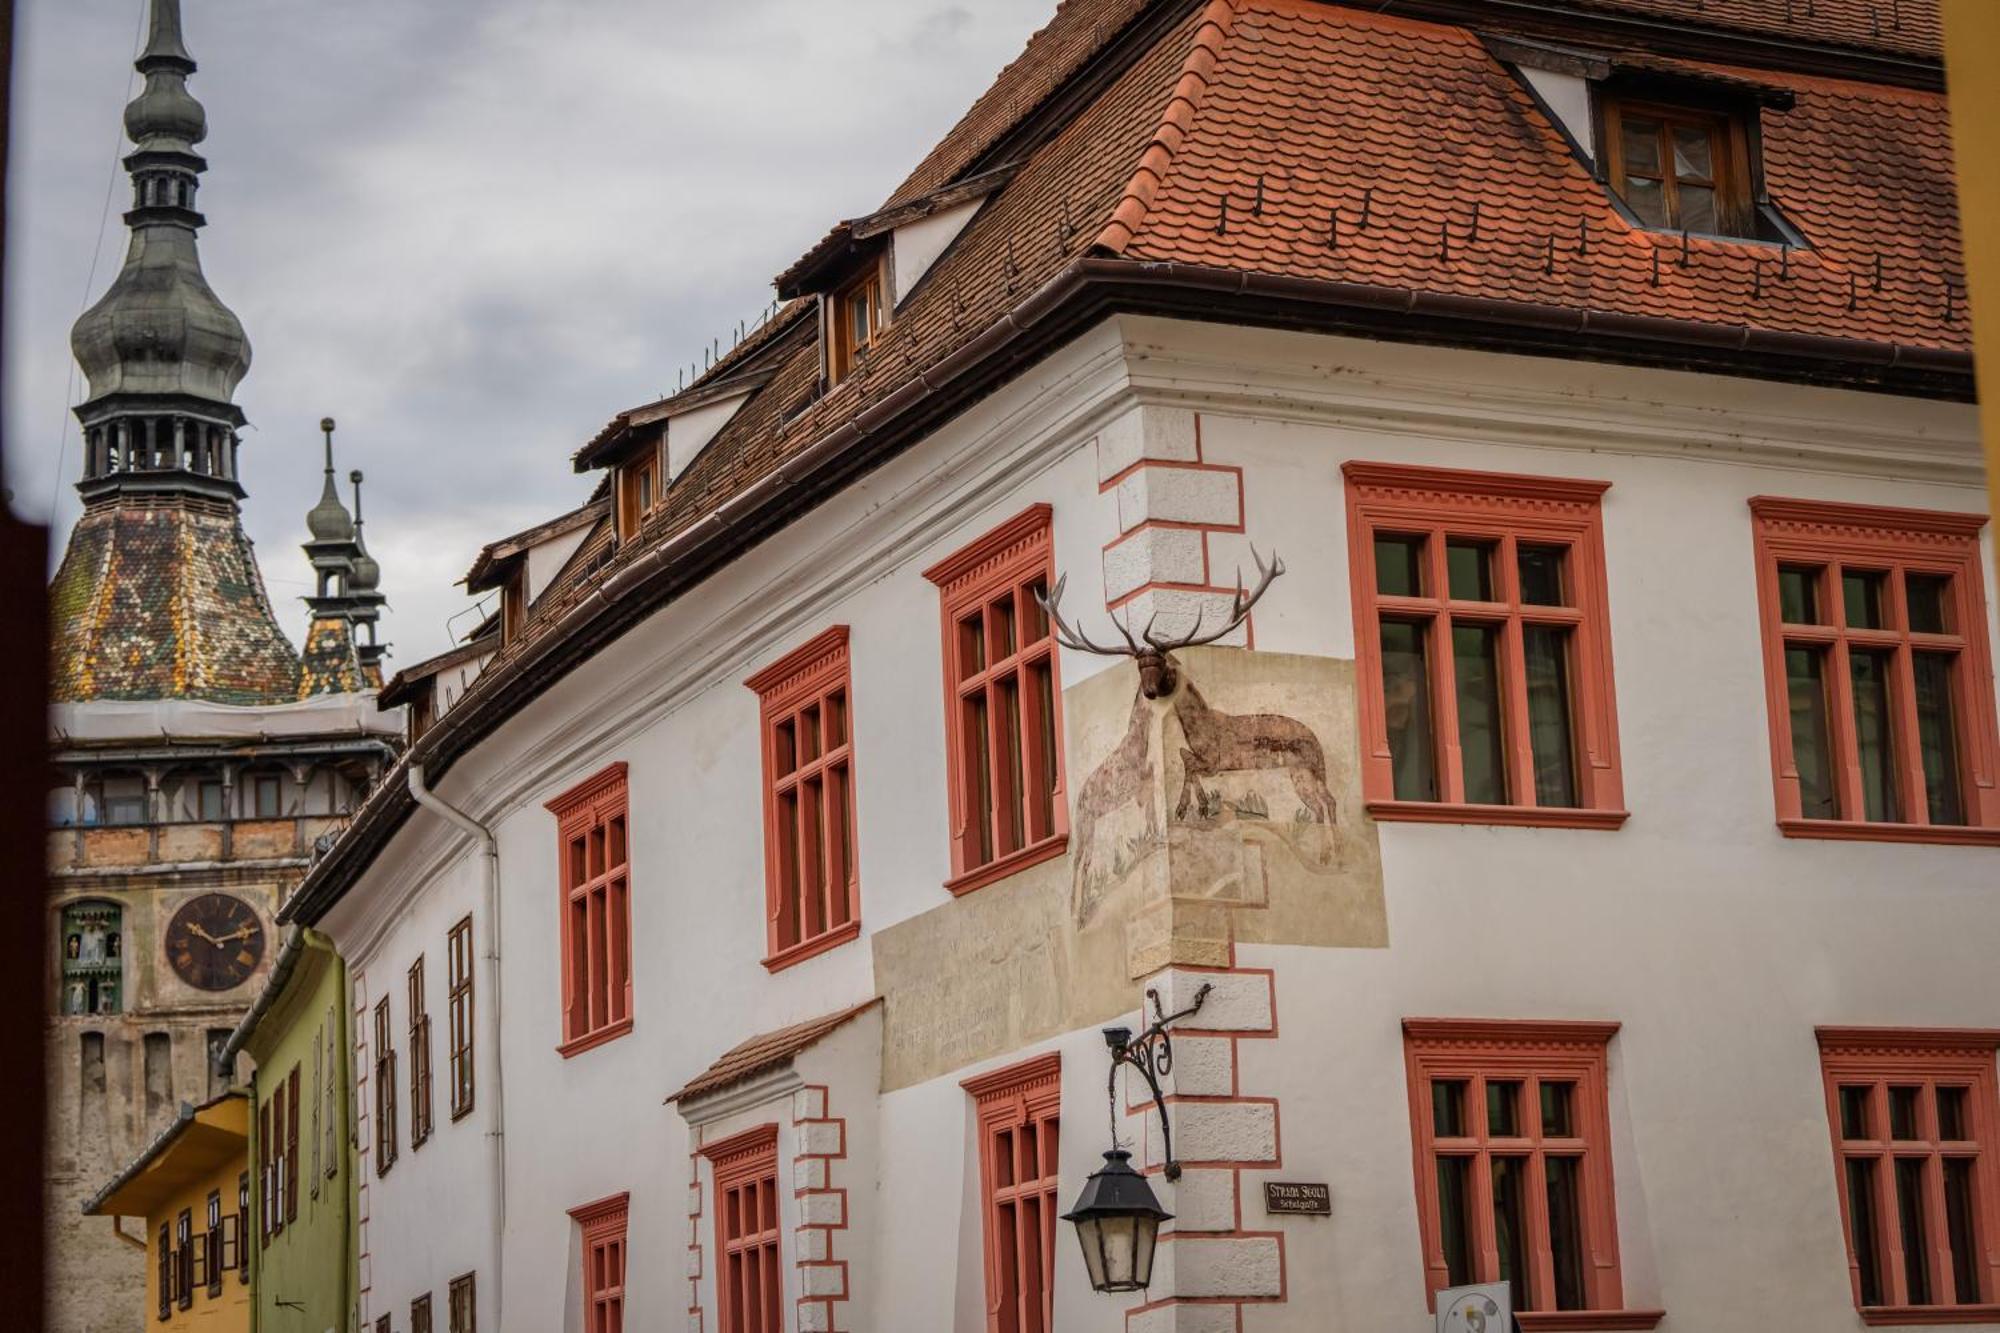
[(1835, 538), (1019, 1117), (997, 644), (603, 1230), (1501, 513), (1898, 1073), (812, 883), (749, 1277), (1470, 1054), (594, 854)]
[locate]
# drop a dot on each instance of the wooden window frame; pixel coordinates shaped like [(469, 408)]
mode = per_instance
[(385, 1090), (462, 1304), (420, 1314), (1505, 509), (514, 604), (291, 1175), (596, 806), (843, 354), (243, 1228), (318, 1103), (1475, 1050), (459, 1012), (329, 1118), (1729, 154), (807, 679), (420, 1058), (1879, 539), (164, 1257), (639, 491), (184, 1259), (747, 1163), (605, 1255), (266, 1175), (1002, 564), (212, 1269), (1007, 1101), (1879, 1058)]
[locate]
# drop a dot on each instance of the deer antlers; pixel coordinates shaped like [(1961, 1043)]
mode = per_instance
[(1157, 677)]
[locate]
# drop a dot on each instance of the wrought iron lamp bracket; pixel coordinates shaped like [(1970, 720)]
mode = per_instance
[(1152, 1054)]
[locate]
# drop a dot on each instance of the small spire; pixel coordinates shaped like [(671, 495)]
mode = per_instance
[(163, 38), (329, 520), (367, 573)]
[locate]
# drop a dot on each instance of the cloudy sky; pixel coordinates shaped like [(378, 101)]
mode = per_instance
[(470, 230)]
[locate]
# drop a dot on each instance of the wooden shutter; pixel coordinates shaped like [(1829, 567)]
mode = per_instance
[(292, 1148), (264, 1174), (166, 1257)]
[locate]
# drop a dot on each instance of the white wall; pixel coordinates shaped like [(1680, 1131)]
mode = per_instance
[(1714, 941)]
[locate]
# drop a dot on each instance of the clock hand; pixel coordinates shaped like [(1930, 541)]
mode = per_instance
[(242, 934), (194, 928)]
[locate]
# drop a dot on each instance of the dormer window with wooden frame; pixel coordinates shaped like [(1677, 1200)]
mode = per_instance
[(514, 604), (1680, 167), (638, 491), (856, 317)]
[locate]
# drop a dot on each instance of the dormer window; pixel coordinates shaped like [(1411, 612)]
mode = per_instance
[(1680, 168), (514, 605), (638, 492), (859, 316)]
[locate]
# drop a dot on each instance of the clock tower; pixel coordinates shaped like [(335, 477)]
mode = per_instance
[(200, 756)]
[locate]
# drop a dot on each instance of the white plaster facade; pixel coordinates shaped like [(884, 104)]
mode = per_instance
[(1717, 944)]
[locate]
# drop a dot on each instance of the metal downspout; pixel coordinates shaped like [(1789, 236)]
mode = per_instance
[(430, 800)]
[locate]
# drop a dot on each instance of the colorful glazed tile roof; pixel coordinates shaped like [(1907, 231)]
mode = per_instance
[(331, 663), (159, 597)]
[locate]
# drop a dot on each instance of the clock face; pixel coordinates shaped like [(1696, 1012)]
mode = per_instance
[(214, 941)]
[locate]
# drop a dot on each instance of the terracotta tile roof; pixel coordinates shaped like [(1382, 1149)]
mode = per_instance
[(160, 597), (495, 558), (1467, 189), (766, 1052), (1908, 27)]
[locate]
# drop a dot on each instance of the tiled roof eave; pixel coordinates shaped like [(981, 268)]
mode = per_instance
[(1082, 292)]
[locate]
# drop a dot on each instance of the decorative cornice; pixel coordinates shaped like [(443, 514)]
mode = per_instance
[(1414, 482), (1885, 523), (788, 675), (1044, 1070), (607, 1213), (606, 780), (734, 1149), (1509, 1032), (1902, 1041), (1016, 537)]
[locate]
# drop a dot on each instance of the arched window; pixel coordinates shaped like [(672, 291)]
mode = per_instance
[(92, 974)]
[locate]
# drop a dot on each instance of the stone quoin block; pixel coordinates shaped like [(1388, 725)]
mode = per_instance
[(1180, 610), (1154, 555), (812, 1244), (822, 1208), (815, 1318), (694, 1262), (1217, 1132), (694, 1200), (1203, 1067), (1203, 1199), (1210, 496), (1237, 1001), (1148, 432), (822, 1280), (1182, 1318), (819, 1137), (809, 1173), (809, 1104), (1213, 1266), (694, 1320)]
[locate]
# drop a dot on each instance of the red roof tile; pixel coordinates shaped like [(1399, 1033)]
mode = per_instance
[(768, 1051), (1907, 27)]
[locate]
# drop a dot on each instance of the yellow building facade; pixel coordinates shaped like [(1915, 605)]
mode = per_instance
[(192, 1187)]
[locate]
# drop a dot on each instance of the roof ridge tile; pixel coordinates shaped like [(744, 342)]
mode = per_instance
[(1217, 21)]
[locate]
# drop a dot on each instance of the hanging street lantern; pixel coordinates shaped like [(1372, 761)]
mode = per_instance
[(1117, 1217), (1118, 1220)]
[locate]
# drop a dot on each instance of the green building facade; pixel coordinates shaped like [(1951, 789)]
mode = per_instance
[(302, 1237)]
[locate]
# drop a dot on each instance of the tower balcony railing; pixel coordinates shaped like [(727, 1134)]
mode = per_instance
[(102, 847)]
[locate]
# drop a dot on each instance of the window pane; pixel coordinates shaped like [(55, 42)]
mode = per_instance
[(971, 646), (1469, 571), (979, 788), (1925, 594), (1697, 206), (1869, 669), (1476, 650), (1007, 735), (1798, 596), (1646, 201), (1910, 1222), (1854, 1113), (809, 734), (1406, 707), (1903, 1114), (1558, 1117), (1958, 1212), (840, 816), (1642, 144), (836, 720), (1454, 1176), (1691, 153), (1937, 737), (1861, 1217), (1861, 595), (1503, 1108), (1952, 1127), (1510, 1227), (1812, 742), (1545, 654), (1565, 1233), (1448, 1108), (1399, 566), (1041, 679), (1541, 575), (1034, 622)]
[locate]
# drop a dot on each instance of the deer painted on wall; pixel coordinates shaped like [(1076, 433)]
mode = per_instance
[(1125, 777), (1216, 742)]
